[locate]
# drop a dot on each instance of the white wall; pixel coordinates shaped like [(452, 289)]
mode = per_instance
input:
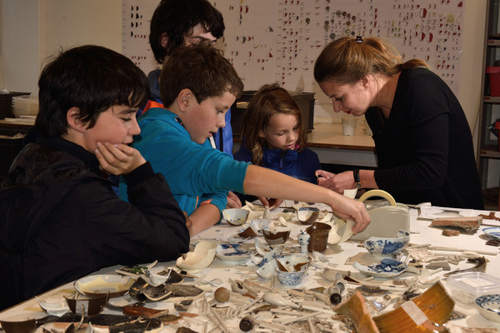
[(19, 39), (69, 23), (34, 30), (471, 71)]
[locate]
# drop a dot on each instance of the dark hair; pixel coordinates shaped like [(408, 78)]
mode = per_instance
[(91, 78), (176, 18), (348, 60), (200, 68), (268, 100)]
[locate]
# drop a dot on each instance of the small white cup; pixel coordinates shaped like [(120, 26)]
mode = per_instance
[(348, 125)]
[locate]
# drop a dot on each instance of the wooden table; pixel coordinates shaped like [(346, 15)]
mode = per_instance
[(332, 147)]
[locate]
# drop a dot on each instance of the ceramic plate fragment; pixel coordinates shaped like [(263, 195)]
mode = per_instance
[(386, 268)]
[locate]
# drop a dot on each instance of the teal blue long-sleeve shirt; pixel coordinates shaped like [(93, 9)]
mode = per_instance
[(195, 173)]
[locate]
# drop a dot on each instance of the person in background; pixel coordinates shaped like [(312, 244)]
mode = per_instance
[(61, 219), (422, 139), (178, 23), (202, 85), (273, 136)]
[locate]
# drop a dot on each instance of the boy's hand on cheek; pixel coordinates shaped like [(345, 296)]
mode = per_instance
[(118, 159)]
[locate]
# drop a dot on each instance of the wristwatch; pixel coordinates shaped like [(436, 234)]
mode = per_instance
[(355, 174)]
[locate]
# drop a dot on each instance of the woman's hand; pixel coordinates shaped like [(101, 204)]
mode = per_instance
[(343, 181), (325, 178), (118, 159), (233, 201), (351, 209)]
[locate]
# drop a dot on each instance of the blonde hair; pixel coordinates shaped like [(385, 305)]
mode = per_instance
[(348, 60), (268, 100)]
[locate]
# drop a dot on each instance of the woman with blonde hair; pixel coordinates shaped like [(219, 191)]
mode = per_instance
[(422, 139)]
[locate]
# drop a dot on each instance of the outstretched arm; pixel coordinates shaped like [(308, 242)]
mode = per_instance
[(265, 182)]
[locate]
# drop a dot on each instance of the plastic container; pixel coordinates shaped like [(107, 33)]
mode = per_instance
[(466, 287), (494, 73)]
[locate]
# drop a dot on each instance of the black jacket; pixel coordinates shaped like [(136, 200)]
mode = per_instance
[(60, 220), (425, 150)]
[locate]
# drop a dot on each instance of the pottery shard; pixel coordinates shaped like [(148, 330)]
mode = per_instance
[(468, 224), (451, 232), (439, 264)]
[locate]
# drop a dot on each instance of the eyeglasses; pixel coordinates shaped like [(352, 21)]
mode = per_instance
[(194, 40)]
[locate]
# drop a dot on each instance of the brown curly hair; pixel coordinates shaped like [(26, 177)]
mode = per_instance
[(269, 100)]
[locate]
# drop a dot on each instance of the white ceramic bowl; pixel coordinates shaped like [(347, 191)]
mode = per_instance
[(235, 216)]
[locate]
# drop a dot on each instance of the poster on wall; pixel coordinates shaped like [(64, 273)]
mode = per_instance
[(279, 40)]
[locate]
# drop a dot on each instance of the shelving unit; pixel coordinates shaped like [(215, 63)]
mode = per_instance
[(488, 144)]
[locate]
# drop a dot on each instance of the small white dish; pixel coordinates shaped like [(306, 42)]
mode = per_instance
[(385, 268), (489, 306), (111, 285), (493, 232)]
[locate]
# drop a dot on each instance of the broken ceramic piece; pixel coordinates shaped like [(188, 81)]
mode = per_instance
[(307, 215), (386, 268), (341, 231), (278, 300), (434, 308), (201, 257), (387, 246), (468, 225), (291, 269), (235, 216), (276, 235), (232, 254), (319, 236), (493, 232), (55, 305), (489, 306), (386, 221)]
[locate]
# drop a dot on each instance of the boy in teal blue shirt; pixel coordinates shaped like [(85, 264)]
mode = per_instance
[(201, 87)]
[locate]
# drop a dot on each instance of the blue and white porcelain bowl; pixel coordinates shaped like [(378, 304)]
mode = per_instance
[(489, 306), (296, 266), (387, 246)]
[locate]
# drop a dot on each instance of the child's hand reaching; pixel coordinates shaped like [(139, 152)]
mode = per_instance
[(118, 159), (269, 202), (233, 201)]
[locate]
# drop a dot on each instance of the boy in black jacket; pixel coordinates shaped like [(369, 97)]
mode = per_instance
[(60, 218)]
